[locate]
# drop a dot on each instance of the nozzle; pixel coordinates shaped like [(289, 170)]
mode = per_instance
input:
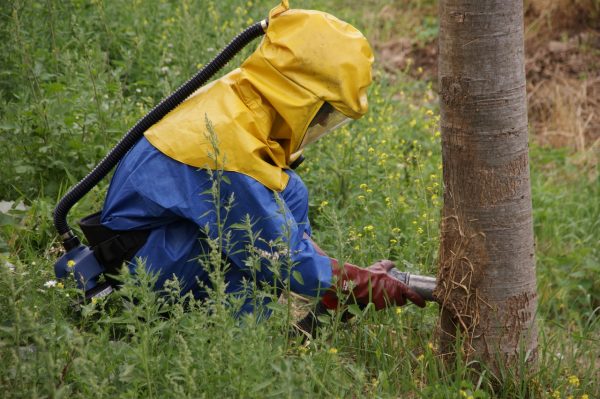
[(422, 285)]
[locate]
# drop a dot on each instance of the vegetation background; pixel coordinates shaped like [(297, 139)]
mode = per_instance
[(75, 75)]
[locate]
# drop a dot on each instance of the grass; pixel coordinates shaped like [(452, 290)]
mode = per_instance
[(75, 75)]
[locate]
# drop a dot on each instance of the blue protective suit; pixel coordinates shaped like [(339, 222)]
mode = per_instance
[(149, 190)]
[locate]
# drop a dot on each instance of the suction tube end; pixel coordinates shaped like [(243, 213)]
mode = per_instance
[(70, 240), (264, 24)]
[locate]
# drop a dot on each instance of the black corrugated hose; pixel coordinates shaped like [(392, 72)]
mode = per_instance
[(169, 103)]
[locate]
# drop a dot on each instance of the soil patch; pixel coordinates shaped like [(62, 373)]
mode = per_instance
[(562, 63)]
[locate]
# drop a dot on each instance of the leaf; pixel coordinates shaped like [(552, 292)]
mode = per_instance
[(54, 87), (298, 277), (264, 384), (7, 126), (238, 226), (22, 169), (126, 372), (325, 319), (276, 307), (7, 220), (354, 310), (7, 329)]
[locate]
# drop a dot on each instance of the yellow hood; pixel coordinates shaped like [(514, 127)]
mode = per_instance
[(260, 111)]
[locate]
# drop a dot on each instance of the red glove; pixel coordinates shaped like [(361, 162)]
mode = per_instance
[(370, 284)]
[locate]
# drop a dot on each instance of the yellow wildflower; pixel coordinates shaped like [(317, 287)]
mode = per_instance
[(70, 263), (398, 310), (324, 204), (60, 285), (368, 228), (333, 351), (363, 186), (573, 380)]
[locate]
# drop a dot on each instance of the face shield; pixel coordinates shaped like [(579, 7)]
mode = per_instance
[(326, 120)]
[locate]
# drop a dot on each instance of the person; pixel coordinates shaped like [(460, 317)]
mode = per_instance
[(309, 74)]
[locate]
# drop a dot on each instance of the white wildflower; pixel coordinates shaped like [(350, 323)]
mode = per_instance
[(50, 283)]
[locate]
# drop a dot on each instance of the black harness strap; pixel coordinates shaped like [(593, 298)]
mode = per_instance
[(112, 247)]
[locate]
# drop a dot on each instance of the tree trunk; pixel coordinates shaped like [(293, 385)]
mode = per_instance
[(487, 265)]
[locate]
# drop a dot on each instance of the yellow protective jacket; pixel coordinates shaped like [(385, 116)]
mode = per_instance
[(261, 111)]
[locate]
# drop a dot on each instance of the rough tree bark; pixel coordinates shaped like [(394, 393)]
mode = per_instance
[(487, 265)]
